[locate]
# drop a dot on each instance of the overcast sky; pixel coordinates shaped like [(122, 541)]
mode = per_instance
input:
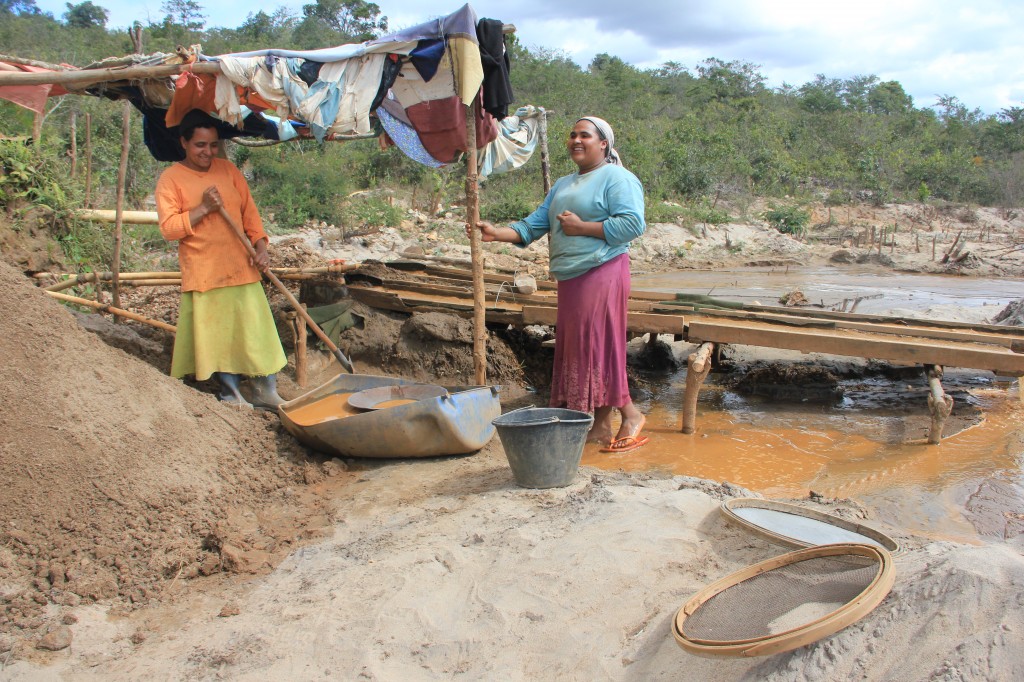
[(972, 50)]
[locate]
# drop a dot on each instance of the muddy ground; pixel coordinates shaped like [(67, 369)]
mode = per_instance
[(150, 531)]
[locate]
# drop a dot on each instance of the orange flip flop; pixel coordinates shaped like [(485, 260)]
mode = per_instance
[(630, 442), (626, 444)]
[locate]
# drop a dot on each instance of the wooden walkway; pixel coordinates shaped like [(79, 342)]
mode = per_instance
[(414, 287)]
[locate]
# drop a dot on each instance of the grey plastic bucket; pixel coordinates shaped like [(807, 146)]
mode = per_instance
[(543, 444)]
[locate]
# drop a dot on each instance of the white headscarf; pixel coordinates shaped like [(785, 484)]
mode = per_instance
[(606, 133)]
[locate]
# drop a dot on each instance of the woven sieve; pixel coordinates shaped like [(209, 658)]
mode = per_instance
[(785, 602)]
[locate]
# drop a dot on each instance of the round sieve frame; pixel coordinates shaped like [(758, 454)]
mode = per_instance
[(729, 507), (794, 638)]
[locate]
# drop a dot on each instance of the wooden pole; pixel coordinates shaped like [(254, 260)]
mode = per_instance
[(545, 165), (113, 311), (88, 160), (300, 353), (37, 128), (698, 367), (476, 250), (122, 172), (298, 307), (74, 144), (81, 78)]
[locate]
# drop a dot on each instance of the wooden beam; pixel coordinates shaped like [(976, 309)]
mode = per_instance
[(855, 344), (640, 323), (86, 77), (967, 336)]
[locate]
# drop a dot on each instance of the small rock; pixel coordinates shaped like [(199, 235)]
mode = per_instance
[(229, 609), (138, 637), (56, 639), (6, 643), (69, 619)]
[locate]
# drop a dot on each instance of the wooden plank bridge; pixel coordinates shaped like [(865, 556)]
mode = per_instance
[(410, 286)]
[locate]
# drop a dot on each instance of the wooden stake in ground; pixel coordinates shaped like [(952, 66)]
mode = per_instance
[(74, 144), (88, 160), (122, 172), (545, 164), (476, 250)]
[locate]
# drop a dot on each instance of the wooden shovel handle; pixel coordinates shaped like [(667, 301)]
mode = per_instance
[(288, 295)]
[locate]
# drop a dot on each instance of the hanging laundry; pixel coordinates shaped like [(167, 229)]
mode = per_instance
[(362, 80), (494, 59), (515, 144), (405, 138), (427, 56), (31, 97), (410, 88), (192, 91), (441, 125)]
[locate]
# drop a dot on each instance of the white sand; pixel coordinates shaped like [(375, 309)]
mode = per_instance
[(445, 569)]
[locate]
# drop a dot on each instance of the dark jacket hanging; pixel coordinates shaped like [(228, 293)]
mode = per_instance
[(494, 57)]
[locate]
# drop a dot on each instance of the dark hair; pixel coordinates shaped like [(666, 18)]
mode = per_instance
[(196, 119)]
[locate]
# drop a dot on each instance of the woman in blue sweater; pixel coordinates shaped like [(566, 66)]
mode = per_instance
[(590, 217)]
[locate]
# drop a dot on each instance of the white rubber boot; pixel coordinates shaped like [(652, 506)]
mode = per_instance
[(264, 392), (229, 392)]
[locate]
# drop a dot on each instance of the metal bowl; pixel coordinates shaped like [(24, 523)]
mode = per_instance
[(374, 398)]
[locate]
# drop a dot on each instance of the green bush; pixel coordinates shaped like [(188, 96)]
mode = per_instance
[(371, 211), (27, 177), (787, 219)]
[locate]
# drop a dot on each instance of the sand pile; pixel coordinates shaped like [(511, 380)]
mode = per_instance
[(116, 477), (444, 569)]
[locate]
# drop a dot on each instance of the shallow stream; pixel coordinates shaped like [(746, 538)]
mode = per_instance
[(871, 445)]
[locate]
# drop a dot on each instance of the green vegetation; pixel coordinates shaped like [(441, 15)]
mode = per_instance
[(788, 219), (693, 135)]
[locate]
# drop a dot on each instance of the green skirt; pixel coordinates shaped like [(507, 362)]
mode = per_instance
[(230, 329)]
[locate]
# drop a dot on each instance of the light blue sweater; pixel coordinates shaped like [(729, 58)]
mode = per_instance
[(610, 195)]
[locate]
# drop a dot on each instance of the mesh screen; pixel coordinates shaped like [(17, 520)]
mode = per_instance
[(781, 599)]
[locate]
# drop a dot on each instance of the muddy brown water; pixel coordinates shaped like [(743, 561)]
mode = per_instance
[(877, 456), (871, 445)]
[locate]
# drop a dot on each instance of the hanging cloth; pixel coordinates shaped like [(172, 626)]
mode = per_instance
[(494, 59)]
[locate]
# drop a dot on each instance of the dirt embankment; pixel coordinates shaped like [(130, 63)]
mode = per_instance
[(117, 478)]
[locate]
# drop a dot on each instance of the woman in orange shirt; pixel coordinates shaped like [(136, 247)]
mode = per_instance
[(225, 327)]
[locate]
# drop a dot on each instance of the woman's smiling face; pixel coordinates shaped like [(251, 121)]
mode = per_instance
[(586, 148), (200, 150)]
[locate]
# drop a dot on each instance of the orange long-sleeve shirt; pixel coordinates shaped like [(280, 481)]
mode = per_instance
[(209, 253)]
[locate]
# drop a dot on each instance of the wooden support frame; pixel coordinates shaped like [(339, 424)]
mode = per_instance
[(940, 405), (698, 365)]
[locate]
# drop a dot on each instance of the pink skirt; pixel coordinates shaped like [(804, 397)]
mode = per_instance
[(590, 345)]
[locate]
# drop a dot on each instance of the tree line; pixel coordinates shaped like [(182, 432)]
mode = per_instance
[(691, 133)]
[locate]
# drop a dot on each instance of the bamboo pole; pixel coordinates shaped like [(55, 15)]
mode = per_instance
[(11, 59), (476, 250), (85, 77), (113, 311), (122, 172), (103, 215), (88, 159), (74, 144)]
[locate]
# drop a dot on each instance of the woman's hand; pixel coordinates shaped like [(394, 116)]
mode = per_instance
[(488, 232), (573, 226), (211, 200), (262, 261), (491, 233)]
